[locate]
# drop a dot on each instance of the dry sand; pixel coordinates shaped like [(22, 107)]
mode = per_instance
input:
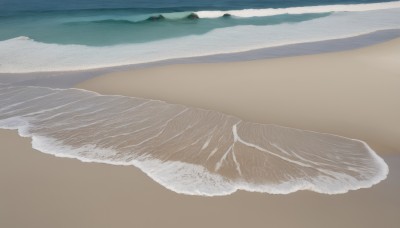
[(355, 93)]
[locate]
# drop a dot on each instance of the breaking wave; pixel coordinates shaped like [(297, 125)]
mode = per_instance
[(248, 13), (187, 150), (299, 10), (193, 16)]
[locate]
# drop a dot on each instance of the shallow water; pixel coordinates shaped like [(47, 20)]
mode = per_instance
[(185, 149)]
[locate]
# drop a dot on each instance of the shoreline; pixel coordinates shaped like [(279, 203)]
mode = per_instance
[(68, 79)]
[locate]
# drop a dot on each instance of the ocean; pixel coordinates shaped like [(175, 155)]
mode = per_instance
[(185, 149), (77, 35)]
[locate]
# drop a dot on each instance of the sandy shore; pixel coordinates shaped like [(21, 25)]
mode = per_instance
[(351, 93), (39, 190)]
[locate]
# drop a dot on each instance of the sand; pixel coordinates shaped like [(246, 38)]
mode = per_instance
[(352, 93), (39, 190)]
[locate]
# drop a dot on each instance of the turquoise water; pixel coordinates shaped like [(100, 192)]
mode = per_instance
[(101, 23), (99, 29)]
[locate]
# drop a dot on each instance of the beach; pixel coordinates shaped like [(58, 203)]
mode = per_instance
[(350, 93)]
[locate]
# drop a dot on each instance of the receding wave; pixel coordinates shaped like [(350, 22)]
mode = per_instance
[(187, 150)]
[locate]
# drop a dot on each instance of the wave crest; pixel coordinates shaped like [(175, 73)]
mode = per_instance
[(299, 10), (248, 13)]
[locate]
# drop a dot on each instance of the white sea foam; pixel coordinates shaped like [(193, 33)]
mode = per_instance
[(26, 55), (300, 10), (247, 13), (188, 150)]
